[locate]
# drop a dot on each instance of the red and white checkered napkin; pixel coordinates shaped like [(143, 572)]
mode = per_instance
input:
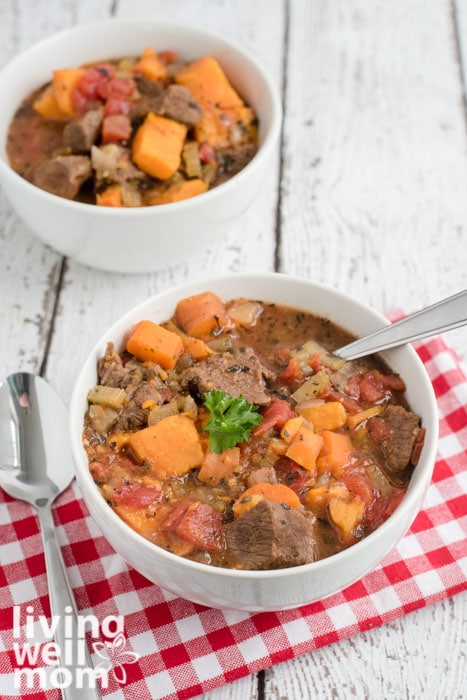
[(185, 649)]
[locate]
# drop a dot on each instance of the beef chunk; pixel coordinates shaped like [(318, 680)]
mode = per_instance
[(398, 435), (231, 160), (271, 536), (148, 87), (62, 175), (235, 374), (177, 102), (80, 134)]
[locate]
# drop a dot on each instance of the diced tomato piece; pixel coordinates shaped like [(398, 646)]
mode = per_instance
[(197, 523), (356, 480), (350, 404), (137, 495), (81, 103), (206, 153), (90, 81), (282, 356), (116, 127), (293, 475), (115, 105), (380, 510), (292, 373), (315, 362), (116, 87), (374, 387), (274, 416), (167, 56)]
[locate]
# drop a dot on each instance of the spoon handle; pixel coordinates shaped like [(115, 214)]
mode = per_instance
[(443, 316), (72, 650)]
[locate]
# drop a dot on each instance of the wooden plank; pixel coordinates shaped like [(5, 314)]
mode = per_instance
[(375, 151)]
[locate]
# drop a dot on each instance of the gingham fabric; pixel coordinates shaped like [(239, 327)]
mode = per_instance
[(172, 648)]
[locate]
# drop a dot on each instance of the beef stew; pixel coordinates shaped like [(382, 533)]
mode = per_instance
[(131, 132), (231, 435)]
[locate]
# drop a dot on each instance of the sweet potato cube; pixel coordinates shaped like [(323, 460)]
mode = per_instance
[(151, 66), (157, 146), (200, 314), (47, 106), (330, 415), (209, 84), (171, 447), (345, 516), (180, 190), (64, 81), (149, 341)]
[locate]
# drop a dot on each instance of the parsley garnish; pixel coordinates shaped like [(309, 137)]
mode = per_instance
[(231, 420)]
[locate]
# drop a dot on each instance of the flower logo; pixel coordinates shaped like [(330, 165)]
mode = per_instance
[(114, 656)]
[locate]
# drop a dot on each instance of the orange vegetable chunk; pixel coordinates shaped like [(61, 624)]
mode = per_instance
[(345, 516), (63, 82), (179, 191), (200, 314), (150, 65), (47, 106), (171, 447), (273, 492), (305, 448), (157, 146), (330, 415), (337, 451), (110, 197), (209, 84), (217, 466), (149, 341)]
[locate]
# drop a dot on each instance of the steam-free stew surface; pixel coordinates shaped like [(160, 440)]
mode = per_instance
[(135, 131), (230, 435)]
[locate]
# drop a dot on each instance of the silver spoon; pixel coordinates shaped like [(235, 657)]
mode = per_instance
[(443, 316), (36, 466)]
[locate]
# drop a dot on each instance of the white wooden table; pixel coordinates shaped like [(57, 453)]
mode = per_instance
[(368, 193)]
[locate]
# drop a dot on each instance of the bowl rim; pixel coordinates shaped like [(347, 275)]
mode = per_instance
[(270, 138), (407, 509)]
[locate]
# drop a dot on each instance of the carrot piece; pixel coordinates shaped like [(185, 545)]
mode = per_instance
[(209, 84), (157, 146), (150, 66), (200, 314), (63, 82), (179, 191), (345, 516), (330, 415), (273, 492), (149, 341), (47, 106), (171, 447), (110, 197), (305, 448), (337, 451), (217, 466)]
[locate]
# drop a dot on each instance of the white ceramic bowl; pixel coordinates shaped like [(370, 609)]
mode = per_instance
[(147, 238), (283, 588)]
